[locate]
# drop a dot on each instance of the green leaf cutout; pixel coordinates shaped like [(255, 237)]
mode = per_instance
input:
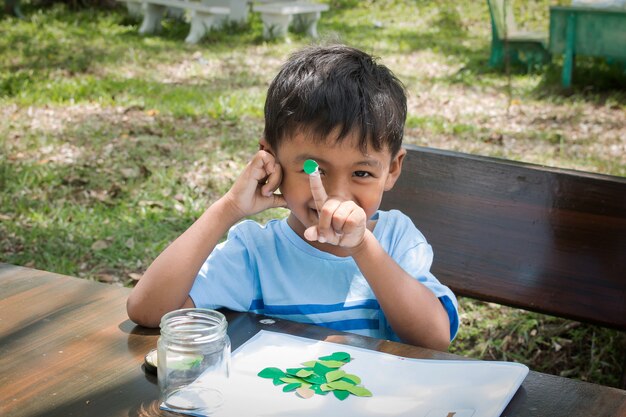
[(343, 385), (315, 379), (318, 390), (332, 364), (335, 375), (341, 394), (185, 363), (305, 392), (352, 378), (271, 373), (320, 377), (291, 387), (290, 380), (360, 391), (337, 356), (320, 369), (303, 373), (294, 371)]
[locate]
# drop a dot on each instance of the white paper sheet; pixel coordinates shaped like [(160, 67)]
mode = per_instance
[(400, 386)]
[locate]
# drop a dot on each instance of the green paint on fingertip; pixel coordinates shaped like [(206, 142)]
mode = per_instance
[(310, 166)]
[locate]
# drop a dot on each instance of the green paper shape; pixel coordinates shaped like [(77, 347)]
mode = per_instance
[(303, 373), (325, 387), (292, 371), (318, 390), (342, 385), (271, 373), (332, 364), (335, 375), (360, 391), (337, 356), (310, 166), (291, 387), (185, 363), (315, 379), (321, 376), (341, 394), (320, 369), (351, 378), (305, 392), (291, 380)]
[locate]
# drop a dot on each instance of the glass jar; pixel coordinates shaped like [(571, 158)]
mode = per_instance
[(193, 355)]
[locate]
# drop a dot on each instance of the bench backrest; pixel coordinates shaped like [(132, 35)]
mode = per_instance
[(542, 239)]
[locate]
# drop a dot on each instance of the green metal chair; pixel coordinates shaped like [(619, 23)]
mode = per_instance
[(12, 7), (509, 44)]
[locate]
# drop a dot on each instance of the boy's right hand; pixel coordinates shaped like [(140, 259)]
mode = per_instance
[(254, 190)]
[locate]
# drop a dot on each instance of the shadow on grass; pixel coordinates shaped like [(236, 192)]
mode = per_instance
[(594, 80)]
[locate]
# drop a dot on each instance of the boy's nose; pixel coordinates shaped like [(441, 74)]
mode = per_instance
[(338, 188)]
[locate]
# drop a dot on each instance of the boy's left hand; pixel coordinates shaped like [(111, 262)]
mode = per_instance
[(341, 223)]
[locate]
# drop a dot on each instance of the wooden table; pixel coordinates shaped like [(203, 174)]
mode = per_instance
[(586, 31), (67, 348)]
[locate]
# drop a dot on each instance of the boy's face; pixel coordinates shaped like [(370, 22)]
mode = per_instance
[(346, 172)]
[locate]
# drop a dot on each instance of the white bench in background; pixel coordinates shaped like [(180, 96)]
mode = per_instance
[(203, 17), (238, 9), (277, 17)]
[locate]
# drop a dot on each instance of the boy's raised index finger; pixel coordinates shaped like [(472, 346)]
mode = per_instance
[(315, 181)]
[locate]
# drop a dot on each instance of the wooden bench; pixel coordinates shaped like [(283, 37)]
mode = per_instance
[(538, 238), (277, 17), (509, 43), (203, 17)]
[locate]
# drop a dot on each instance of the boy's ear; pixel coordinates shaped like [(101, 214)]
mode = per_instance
[(395, 168), (264, 146)]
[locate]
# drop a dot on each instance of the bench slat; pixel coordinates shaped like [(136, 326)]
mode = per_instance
[(185, 4), (543, 239)]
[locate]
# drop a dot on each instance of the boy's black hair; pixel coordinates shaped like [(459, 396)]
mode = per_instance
[(322, 88)]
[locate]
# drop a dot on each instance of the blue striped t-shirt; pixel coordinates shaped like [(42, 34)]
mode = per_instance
[(271, 270)]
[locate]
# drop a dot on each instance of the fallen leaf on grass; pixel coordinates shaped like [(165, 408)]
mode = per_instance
[(135, 276), (100, 244)]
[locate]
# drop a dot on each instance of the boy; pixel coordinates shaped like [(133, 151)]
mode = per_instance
[(336, 260)]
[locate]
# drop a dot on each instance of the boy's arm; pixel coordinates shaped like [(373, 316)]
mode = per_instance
[(166, 283), (413, 311)]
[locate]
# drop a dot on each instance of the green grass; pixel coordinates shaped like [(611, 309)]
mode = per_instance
[(112, 143)]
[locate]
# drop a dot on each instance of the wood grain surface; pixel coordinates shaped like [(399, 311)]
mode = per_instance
[(543, 239), (67, 348)]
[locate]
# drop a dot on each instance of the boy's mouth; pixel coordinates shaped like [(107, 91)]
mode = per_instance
[(313, 214)]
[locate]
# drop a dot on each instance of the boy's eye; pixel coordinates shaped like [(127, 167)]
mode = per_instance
[(362, 174)]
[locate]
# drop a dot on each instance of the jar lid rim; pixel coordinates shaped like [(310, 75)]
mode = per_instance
[(186, 324)]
